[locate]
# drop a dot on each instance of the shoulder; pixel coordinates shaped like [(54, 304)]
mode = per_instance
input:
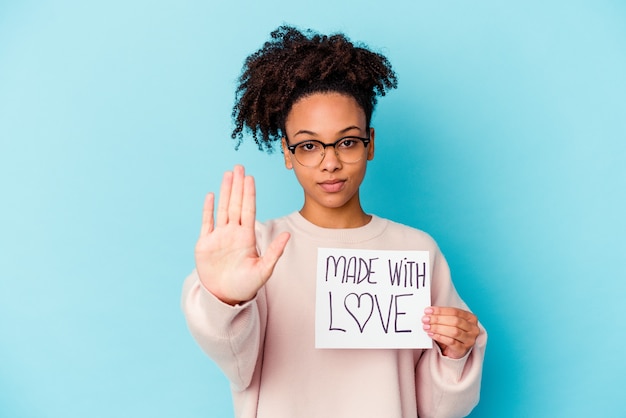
[(266, 231), (272, 225), (407, 235)]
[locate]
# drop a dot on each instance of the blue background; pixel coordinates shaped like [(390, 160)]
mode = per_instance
[(505, 140)]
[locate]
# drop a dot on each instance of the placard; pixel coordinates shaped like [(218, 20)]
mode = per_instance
[(371, 298)]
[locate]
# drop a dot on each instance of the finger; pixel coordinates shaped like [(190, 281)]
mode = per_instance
[(446, 340), (273, 253), (222, 206), (236, 195), (448, 320), (451, 316), (248, 207), (207, 215), (454, 333), (450, 311), (451, 347)]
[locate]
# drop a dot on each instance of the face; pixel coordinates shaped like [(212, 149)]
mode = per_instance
[(332, 187)]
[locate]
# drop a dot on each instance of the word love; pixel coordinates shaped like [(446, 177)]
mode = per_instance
[(371, 298), (361, 308)]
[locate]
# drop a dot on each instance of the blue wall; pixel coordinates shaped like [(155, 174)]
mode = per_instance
[(505, 140)]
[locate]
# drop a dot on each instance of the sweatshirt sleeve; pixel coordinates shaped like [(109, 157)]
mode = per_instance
[(448, 387), (230, 335)]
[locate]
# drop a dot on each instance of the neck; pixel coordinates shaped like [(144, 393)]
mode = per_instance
[(351, 216)]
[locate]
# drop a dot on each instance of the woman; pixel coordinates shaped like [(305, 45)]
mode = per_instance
[(250, 302)]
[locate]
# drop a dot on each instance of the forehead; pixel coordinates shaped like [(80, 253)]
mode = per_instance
[(325, 113)]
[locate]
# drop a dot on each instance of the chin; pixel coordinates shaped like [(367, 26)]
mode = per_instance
[(336, 203)]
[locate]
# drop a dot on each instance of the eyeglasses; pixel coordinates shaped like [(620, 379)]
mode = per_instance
[(310, 153)]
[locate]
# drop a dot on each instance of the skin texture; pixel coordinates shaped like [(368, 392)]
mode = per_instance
[(227, 261), (327, 118)]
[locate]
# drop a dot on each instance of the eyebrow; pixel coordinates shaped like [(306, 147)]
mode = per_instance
[(343, 131)]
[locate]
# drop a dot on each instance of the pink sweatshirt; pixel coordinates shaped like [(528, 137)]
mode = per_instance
[(266, 347)]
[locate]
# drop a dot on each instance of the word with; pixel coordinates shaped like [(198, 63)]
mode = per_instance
[(405, 271)]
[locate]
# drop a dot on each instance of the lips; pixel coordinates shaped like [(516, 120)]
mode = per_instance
[(332, 186)]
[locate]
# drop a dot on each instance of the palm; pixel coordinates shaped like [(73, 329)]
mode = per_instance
[(227, 260), (229, 252)]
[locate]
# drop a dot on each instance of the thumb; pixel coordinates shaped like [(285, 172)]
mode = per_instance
[(273, 253)]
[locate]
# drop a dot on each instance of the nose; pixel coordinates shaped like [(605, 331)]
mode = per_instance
[(330, 160)]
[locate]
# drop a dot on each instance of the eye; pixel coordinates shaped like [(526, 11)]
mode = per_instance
[(309, 146), (347, 143)]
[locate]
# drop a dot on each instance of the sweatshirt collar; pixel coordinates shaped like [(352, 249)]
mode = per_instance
[(367, 232)]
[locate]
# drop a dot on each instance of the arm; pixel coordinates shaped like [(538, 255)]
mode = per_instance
[(448, 377), (230, 335), (223, 299)]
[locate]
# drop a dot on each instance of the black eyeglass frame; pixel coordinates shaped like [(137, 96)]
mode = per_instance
[(293, 147)]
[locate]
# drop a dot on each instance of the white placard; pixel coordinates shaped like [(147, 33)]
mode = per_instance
[(371, 298)]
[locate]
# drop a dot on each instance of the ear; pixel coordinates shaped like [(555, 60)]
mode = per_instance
[(370, 151), (286, 154)]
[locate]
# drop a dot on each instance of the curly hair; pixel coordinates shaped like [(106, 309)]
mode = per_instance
[(294, 64)]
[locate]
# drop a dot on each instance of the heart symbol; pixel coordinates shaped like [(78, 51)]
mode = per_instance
[(360, 311)]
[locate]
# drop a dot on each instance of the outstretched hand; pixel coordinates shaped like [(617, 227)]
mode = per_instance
[(227, 260), (453, 329)]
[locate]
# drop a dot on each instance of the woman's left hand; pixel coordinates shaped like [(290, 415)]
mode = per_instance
[(453, 329)]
